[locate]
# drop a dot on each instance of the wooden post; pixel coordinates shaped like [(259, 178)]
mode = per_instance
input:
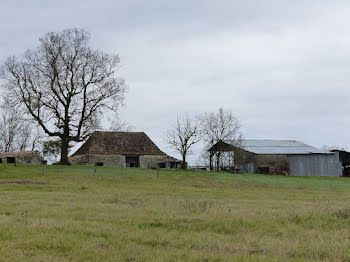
[(218, 155), (211, 161)]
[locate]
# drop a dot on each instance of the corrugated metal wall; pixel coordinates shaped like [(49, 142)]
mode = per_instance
[(315, 165), (247, 167)]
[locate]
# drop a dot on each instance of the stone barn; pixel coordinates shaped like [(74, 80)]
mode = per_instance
[(122, 149), (281, 157), (27, 157)]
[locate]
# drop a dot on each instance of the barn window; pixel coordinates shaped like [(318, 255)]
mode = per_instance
[(11, 160), (99, 164), (161, 165), (132, 161)]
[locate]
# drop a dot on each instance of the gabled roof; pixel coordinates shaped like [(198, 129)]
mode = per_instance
[(118, 143), (278, 147)]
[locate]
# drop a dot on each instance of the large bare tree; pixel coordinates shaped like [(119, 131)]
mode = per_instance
[(183, 135), (222, 125), (64, 85)]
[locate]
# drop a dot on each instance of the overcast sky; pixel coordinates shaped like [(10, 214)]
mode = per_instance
[(282, 66)]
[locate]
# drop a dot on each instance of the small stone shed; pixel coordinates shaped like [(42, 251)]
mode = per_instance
[(27, 157), (122, 149), (281, 156)]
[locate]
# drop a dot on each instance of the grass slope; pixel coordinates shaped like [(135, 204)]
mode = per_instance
[(69, 214)]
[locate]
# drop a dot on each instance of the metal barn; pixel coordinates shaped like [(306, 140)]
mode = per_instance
[(280, 157)]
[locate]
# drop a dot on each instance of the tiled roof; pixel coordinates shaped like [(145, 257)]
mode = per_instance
[(119, 143)]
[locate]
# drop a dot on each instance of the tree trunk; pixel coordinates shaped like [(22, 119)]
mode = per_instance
[(183, 163), (211, 161), (64, 152)]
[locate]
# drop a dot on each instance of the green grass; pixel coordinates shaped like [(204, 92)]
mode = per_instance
[(69, 214)]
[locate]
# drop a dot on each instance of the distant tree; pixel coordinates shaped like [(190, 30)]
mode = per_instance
[(52, 149), (9, 127), (37, 137), (64, 85), (16, 134), (183, 135), (120, 125), (220, 126)]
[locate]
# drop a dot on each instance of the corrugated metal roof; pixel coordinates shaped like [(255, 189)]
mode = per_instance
[(279, 147)]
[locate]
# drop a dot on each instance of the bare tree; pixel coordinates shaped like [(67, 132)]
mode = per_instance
[(24, 137), (64, 85), (37, 139), (16, 134), (9, 128), (220, 126), (120, 125), (183, 135)]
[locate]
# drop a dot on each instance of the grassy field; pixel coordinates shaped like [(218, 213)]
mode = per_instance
[(70, 214)]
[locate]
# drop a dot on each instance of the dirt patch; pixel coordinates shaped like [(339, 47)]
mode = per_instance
[(21, 183)]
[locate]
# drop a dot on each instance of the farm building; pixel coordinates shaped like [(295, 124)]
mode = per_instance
[(122, 149), (28, 157), (280, 156)]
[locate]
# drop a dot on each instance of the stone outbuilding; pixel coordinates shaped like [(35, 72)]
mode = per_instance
[(122, 149), (26, 157), (281, 157)]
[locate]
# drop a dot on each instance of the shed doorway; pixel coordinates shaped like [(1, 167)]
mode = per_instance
[(263, 170), (10, 160), (344, 158), (132, 161)]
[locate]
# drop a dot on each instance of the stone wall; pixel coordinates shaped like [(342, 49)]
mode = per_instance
[(32, 158), (105, 160), (146, 161), (272, 162), (152, 161)]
